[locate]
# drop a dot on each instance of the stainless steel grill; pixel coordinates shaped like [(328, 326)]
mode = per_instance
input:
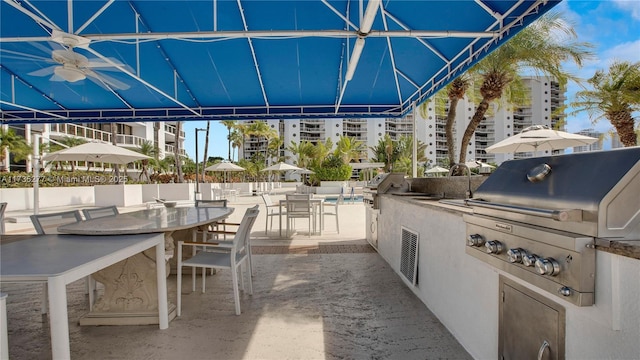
[(539, 218)]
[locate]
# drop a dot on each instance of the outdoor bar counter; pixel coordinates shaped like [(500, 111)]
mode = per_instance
[(464, 292)]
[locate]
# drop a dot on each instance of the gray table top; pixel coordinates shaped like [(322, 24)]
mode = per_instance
[(37, 257), (148, 221)]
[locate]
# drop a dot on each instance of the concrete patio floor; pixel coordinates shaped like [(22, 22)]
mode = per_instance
[(325, 297)]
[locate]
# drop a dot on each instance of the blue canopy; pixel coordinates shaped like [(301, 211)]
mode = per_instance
[(141, 60)]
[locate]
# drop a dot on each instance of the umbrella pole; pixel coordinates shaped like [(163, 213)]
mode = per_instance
[(36, 174)]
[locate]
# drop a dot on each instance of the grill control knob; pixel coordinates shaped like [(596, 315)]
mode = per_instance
[(475, 240), (548, 266), (515, 255), (529, 259), (565, 291), (493, 247)]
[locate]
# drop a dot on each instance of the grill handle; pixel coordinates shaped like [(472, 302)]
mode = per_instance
[(572, 215)]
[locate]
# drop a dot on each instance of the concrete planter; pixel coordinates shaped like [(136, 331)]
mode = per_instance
[(330, 187), (119, 195)]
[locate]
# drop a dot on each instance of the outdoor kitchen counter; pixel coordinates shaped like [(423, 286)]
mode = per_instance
[(629, 249), (623, 248), (464, 292)]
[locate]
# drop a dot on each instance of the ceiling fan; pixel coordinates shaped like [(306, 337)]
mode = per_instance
[(72, 66)]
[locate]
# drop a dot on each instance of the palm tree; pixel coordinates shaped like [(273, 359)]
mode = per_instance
[(319, 152), (348, 148), (11, 143), (385, 152), (229, 124), (303, 152), (455, 92), (615, 95), (146, 148), (539, 47), (273, 149), (261, 129), (237, 140)]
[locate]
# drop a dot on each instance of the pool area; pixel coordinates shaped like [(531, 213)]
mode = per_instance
[(347, 199)]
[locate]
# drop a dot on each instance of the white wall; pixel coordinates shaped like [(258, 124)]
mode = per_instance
[(462, 291), (22, 198)]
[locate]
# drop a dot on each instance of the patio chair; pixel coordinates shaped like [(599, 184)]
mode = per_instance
[(212, 229), (3, 207), (48, 224), (234, 259), (100, 212), (273, 210), (329, 212), (299, 207)]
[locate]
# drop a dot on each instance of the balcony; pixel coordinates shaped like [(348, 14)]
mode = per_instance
[(171, 129), (170, 150), (89, 134)]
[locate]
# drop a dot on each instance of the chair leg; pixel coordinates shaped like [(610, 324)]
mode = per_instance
[(250, 281), (236, 291), (204, 274), (179, 284)]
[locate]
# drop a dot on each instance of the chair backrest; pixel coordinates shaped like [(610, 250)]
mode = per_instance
[(340, 199), (242, 238), (100, 212), (48, 223), (267, 200), (3, 207), (211, 203), (298, 205)]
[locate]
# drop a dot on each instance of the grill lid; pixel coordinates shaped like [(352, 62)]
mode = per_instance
[(597, 191)]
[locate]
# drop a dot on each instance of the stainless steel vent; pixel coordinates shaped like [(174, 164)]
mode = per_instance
[(409, 255)]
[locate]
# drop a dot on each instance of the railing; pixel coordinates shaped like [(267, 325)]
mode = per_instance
[(80, 131), (94, 134), (169, 150), (130, 140), (171, 129)]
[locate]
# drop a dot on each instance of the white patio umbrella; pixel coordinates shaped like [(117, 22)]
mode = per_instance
[(96, 152), (437, 170), (281, 167), (539, 138), (224, 167), (478, 164), (304, 171)]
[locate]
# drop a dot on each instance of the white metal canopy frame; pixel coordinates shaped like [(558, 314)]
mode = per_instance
[(142, 60)]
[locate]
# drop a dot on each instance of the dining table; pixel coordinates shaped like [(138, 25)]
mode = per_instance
[(59, 260), (318, 205), (129, 286)]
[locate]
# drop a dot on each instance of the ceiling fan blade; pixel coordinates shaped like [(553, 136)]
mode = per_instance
[(112, 82), (9, 54), (44, 71), (57, 78)]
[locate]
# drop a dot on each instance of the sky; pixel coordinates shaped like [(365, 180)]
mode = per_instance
[(612, 26)]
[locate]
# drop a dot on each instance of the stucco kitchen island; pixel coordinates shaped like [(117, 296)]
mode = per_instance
[(465, 293)]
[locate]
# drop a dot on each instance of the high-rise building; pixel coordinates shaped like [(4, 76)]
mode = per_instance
[(592, 147), (546, 100), (130, 135)]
